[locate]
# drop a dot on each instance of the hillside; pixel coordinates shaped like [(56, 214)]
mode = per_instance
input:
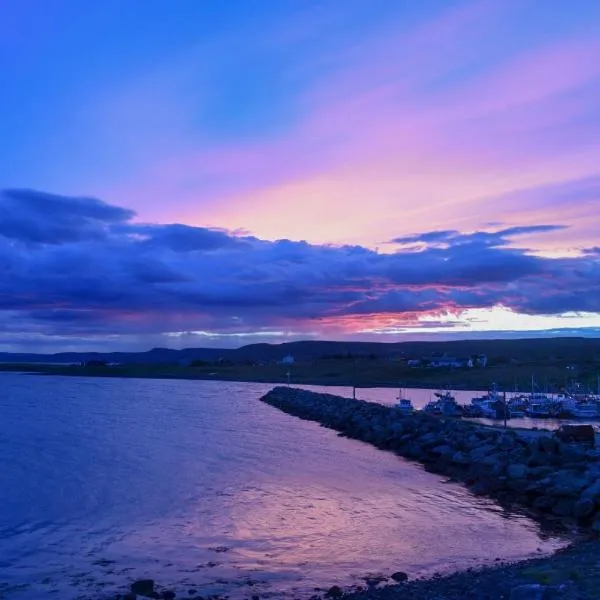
[(559, 349)]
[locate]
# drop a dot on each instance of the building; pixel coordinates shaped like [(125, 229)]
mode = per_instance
[(450, 362), (287, 360)]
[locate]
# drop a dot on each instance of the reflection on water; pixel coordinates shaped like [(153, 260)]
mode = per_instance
[(197, 484)]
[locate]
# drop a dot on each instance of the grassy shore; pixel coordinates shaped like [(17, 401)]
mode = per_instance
[(364, 373)]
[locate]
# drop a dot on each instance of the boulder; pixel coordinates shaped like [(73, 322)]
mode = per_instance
[(564, 507), (592, 492), (335, 591), (540, 472), (143, 587), (544, 502), (399, 576), (572, 453), (430, 440), (480, 452), (568, 483), (460, 458), (547, 444), (443, 451), (584, 508), (516, 471)]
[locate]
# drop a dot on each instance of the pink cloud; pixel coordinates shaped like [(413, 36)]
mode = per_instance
[(376, 152)]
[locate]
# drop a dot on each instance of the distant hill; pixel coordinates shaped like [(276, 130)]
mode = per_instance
[(535, 349)]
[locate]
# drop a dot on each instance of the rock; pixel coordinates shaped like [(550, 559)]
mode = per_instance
[(583, 508), (335, 591), (564, 507), (506, 441), (518, 471), (255, 597), (443, 451), (399, 576), (192, 591), (572, 453), (480, 488), (129, 596), (460, 458), (374, 580), (540, 472), (544, 502), (430, 440), (533, 591), (480, 452), (596, 524), (143, 587), (592, 492), (494, 464), (568, 483), (168, 595), (547, 444)]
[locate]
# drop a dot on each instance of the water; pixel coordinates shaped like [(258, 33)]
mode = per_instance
[(199, 485)]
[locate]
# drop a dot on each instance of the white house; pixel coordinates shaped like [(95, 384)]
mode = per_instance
[(287, 360), (451, 362)]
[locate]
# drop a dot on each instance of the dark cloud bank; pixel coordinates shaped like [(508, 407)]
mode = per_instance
[(79, 267)]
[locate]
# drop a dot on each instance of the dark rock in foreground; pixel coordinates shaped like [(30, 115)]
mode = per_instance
[(143, 587)]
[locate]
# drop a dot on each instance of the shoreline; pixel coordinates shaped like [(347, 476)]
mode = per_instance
[(538, 473), (116, 373), (570, 573)]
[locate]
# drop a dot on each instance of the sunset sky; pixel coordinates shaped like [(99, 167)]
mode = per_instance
[(221, 172)]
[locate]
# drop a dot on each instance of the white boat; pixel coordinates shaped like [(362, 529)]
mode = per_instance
[(445, 405), (403, 404), (539, 410), (580, 409)]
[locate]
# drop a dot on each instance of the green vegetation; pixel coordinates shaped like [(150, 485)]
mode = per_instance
[(368, 371)]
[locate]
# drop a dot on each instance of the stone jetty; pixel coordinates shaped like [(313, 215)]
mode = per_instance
[(530, 468)]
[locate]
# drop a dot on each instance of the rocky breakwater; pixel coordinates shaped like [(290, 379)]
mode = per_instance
[(530, 468)]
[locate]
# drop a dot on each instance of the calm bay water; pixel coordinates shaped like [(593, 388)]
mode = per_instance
[(198, 484)]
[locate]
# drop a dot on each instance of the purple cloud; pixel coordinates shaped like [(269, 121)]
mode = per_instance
[(87, 269)]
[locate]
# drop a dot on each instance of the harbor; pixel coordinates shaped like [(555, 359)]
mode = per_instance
[(572, 404)]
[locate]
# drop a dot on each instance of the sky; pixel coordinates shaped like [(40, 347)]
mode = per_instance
[(210, 173)]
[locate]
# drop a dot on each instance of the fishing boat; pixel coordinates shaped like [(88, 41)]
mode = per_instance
[(445, 405), (490, 406), (576, 408), (403, 404)]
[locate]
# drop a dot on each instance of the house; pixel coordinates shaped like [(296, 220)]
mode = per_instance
[(287, 360), (450, 362), (481, 360)]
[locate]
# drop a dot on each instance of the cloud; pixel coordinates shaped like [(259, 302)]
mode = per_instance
[(38, 217), (491, 239), (91, 270)]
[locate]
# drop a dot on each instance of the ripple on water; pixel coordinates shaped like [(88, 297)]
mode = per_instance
[(198, 484)]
